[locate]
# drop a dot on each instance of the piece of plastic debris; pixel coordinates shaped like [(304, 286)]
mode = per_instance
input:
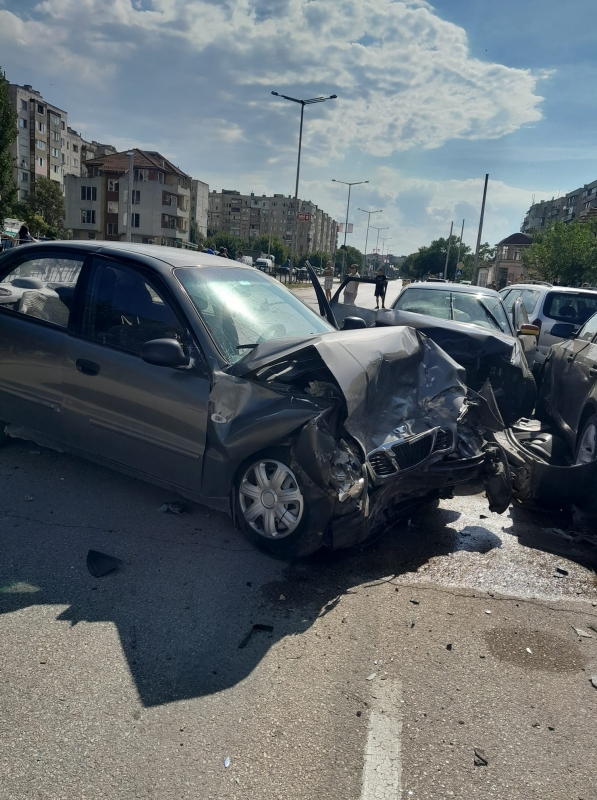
[(257, 627), (581, 633), (529, 650), (594, 681), (414, 602), (488, 612), (282, 597), (482, 516), (448, 647), (28, 497), (480, 757), (371, 677), (100, 564), (226, 762), (560, 571), (174, 508)]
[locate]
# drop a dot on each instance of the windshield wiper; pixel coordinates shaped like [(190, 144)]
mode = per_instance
[(247, 346), (490, 315)]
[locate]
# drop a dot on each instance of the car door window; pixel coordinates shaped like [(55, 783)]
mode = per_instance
[(530, 298), (42, 287), (588, 330), (510, 298), (124, 310)]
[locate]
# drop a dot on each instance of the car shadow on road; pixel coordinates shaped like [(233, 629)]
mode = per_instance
[(189, 588)]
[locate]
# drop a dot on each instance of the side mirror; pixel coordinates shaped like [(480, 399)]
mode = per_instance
[(563, 330), (529, 330), (352, 323), (164, 353)]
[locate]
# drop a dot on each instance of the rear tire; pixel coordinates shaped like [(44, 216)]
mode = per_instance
[(272, 506)]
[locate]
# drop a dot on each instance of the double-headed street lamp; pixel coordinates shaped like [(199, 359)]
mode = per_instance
[(379, 211), (350, 185), (375, 228), (303, 103)]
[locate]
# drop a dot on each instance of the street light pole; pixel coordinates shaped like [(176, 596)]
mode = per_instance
[(445, 272), (129, 199), (302, 103), (460, 245), (375, 228), (350, 185), (379, 211), (476, 261)]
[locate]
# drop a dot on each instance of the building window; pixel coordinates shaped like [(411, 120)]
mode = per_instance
[(24, 194), (54, 119), (141, 174), (22, 122), (75, 162), (112, 229), (41, 127), (136, 197), (75, 148), (134, 220), (41, 109), (41, 162), (40, 145), (112, 206), (24, 177), (24, 161), (55, 169), (63, 125), (87, 217), (68, 161), (504, 252), (61, 141), (89, 193), (55, 152), (55, 136), (68, 145), (24, 105), (112, 185)]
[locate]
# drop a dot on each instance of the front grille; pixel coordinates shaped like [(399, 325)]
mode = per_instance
[(381, 464), (410, 453), (444, 440)]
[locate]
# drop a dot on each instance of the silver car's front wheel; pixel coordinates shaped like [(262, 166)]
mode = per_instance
[(270, 499), (586, 451)]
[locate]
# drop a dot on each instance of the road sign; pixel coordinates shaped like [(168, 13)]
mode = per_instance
[(459, 273), (303, 217)]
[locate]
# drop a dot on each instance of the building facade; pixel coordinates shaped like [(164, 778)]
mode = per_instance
[(507, 267), (200, 205), (96, 204), (573, 206), (249, 216)]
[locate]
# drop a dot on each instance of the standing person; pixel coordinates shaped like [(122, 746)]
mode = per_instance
[(23, 236), (328, 280), (381, 286), (223, 252), (240, 257), (352, 287)]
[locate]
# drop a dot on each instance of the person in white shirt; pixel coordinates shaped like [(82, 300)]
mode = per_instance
[(351, 289)]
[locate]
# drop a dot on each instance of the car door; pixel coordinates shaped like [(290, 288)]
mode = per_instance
[(578, 377), (146, 418), (40, 285)]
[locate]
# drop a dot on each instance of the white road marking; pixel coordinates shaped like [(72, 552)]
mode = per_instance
[(382, 771)]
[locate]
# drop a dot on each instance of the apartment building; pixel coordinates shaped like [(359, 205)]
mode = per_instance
[(46, 146), (250, 216), (199, 205), (96, 204), (574, 205)]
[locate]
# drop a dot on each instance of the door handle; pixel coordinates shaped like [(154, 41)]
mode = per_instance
[(87, 367), (593, 371)]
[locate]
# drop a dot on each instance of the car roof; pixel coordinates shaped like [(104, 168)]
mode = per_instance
[(451, 287), (173, 256), (549, 288)]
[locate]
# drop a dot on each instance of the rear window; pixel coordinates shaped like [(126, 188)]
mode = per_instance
[(570, 307)]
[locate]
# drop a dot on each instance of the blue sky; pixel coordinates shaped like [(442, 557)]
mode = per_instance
[(430, 97)]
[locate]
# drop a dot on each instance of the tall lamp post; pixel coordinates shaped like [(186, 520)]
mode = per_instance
[(379, 211), (350, 185), (375, 228), (302, 103), (383, 244)]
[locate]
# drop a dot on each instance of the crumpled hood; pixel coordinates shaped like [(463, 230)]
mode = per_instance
[(390, 377)]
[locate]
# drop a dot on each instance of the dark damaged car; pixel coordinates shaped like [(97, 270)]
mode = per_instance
[(210, 378), (471, 324)]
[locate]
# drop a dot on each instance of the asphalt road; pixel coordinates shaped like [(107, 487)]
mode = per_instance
[(384, 670), (365, 297)]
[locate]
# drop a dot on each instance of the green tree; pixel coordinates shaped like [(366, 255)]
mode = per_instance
[(8, 133), (353, 256), (278, 249), (316, 259), (48, 202), (431, 259), (195, 235), (228, 240), (486, 255), (564, 254)]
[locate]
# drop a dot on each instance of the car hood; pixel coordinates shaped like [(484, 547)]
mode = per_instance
[(394, 381)]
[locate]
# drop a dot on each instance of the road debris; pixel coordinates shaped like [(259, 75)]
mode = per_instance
[(100, 564), (594, 681), (282, 597), (178, 508), (529, 650), (581, 633), (28, 498), (414, 602), (488, 612), (480, 758), (257, 627), (371, 677), (226, 762), (560, 572)]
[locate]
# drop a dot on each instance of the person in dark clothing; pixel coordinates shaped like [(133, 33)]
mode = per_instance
[(381, 285), (23, 236)]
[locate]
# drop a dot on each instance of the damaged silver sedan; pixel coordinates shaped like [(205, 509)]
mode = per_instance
[(211, 379)]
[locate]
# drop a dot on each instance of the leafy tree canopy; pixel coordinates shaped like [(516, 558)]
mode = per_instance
[(564, 254), (278, 249), (353, 256), (48, 202)]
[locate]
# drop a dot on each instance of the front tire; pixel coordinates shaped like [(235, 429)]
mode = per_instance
[(586, 447), (272, 506)]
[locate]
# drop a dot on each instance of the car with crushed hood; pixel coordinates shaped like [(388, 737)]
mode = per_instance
[(209, 378), (471, 324)]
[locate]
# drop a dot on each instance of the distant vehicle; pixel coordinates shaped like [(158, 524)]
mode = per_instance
[(265, 265), (546, 304), (302, 274)]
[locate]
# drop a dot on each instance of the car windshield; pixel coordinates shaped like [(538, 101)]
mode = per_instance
[(484, 310), (242, 308), (570, 306)]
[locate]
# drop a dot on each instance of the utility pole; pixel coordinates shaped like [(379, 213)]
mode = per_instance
[(445, 272), (350, 185), (129, 200), (476, 262), (460, 245), (379, 211), (375, 228)]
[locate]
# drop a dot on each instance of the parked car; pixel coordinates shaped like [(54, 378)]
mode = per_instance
[(547, 305), (472, 326), (207, 377), (265, 265)]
